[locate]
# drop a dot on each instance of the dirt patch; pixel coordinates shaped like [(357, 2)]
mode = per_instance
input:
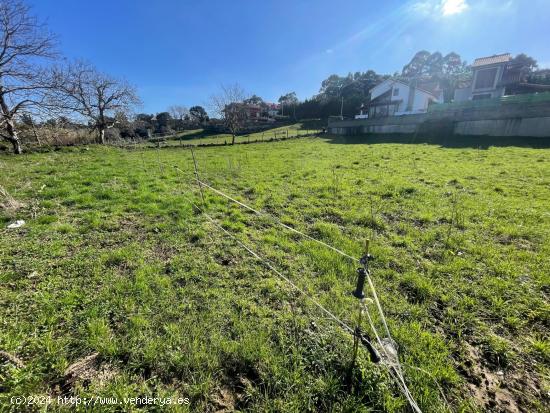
[(7, 202), (163, 251), (87, 370), (496, 391), (224, 400), (224, 260), (12, 359), (231, 397), (519, 242)]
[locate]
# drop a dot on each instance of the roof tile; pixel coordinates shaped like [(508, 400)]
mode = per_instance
[(491, 60)]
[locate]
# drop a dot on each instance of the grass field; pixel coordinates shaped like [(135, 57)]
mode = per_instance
[(115, 264), (201, 137)]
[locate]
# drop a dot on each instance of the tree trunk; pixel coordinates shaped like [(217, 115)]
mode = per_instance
[(36, 134), (233, 139), (10, 125), (13, 137), (101, 126), (102, 135)]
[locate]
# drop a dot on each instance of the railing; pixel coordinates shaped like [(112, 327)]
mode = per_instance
[(491, 103)]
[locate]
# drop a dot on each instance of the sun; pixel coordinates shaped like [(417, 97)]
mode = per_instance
[(450, 7)]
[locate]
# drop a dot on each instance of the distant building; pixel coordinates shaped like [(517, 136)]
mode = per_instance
[(496, 76), (395, 97), (272, 109), (491, 74), (254, 113), (248, 111)]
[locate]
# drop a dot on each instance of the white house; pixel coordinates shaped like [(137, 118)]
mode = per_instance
[(395, 97), (273, 109)]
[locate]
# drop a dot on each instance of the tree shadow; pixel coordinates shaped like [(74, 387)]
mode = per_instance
[(309, 124), (451, 141), (195, 135)]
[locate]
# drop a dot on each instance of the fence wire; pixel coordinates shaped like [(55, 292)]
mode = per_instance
[(390, 361)]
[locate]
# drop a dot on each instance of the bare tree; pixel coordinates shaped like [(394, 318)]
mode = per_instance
[(229, 105), (179, 115), (95, 96), (24, 44), (178, 112)]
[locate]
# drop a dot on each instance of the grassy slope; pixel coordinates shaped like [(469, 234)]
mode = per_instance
[(114, 260), (200, 137)]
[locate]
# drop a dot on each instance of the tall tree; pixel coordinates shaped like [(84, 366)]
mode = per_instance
[(526, 64), (448, 71), (346, 93), (454, 74), (288, 100), (143, 123), (198, 114), (24, 44), (163, 122), (254, 100), (453, 64), (418, 65), (332, 86), (94, 95), (229, 105), (434, 64)]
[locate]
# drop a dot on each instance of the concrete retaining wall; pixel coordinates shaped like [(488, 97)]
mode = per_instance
[(532, 120), (536, 127)]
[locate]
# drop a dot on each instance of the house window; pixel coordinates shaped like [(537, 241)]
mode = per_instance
[(485, 79), (396, 91), (481, 97)]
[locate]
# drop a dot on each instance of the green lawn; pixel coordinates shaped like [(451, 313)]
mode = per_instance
[(114, 261)]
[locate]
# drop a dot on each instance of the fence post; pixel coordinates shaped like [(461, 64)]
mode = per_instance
[(360, 336), (161, 168), (197, 175)]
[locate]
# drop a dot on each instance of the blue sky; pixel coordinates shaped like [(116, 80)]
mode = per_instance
[(179, 52)]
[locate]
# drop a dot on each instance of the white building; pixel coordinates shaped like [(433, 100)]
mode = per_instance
[(395, 97), (273, 109)]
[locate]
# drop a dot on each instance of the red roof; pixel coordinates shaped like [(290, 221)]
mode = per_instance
[(491, 60)]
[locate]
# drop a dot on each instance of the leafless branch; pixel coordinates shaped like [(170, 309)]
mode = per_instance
[(24, 44), (81, 88), (228, 104)]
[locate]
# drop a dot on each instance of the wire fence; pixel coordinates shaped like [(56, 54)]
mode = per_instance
[(215, 140), (532, 98), (384, 342)]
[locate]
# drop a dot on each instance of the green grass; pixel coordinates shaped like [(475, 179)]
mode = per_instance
[(201, 137), (114, 260)]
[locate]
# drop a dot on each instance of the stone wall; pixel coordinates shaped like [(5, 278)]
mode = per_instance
[(529, 120)]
